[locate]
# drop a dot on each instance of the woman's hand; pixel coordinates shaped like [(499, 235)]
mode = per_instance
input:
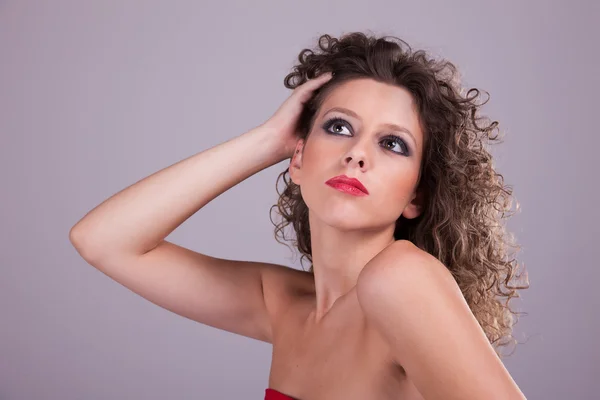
[(283, 124)]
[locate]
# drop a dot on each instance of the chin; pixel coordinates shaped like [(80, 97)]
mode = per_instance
[(344, 217), (340, 211)]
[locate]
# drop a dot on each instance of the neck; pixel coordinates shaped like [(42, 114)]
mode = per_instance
[(338, 258)]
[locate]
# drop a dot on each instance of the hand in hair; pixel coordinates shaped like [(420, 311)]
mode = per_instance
[(283, 124)]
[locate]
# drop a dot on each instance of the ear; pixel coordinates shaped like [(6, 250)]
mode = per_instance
[(296, 162), (415, 207)]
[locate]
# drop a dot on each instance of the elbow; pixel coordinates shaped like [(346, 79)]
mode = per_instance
[(82, 244)]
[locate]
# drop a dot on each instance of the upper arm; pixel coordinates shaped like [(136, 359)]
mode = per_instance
[(418, 307), (225, 294)]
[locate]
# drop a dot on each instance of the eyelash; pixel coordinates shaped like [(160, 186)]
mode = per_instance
[(331, 121)]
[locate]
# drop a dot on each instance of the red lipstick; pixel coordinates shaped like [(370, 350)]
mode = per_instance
[(348, 185)]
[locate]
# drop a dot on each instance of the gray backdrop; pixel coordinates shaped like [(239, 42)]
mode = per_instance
[(97, 95)]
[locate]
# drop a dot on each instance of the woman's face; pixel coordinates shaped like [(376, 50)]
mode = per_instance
[(361, 143)]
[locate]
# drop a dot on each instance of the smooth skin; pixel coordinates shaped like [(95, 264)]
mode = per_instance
[(397, 305)]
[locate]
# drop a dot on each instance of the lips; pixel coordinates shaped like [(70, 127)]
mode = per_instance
[(344, 180)]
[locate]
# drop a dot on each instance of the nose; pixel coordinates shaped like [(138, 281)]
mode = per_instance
[(357, 155), (360, 162)]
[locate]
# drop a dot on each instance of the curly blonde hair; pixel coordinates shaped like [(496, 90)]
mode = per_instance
[(465, 199)]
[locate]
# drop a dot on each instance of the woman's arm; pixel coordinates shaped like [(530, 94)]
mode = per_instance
[(124, 236), (136, 219)]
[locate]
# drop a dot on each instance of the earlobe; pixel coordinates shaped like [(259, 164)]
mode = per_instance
[(411, 211), (415, 207)]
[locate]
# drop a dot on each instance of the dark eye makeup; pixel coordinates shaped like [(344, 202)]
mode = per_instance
[(333, 121)]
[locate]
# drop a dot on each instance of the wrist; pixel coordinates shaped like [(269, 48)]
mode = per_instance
[(270, 143)]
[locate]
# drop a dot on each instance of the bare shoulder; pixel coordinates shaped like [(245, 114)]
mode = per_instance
[(404, 262), (414, 302), (394, 281)]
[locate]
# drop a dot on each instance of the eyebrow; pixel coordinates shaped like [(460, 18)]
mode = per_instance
[(387, 126)]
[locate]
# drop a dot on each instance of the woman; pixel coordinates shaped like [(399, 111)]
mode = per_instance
[(393, 199)]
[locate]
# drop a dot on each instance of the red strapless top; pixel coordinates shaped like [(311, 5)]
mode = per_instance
[(272, 394)]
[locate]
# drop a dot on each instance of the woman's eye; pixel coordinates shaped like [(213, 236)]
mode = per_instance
[(397, 145), (337, 127), (394, 144)]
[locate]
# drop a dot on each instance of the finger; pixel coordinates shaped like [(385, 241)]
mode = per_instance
[(318, 81), (311, 85)]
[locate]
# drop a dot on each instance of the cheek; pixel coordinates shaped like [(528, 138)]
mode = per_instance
[(400, 191), (395, 190), (317, 162)]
